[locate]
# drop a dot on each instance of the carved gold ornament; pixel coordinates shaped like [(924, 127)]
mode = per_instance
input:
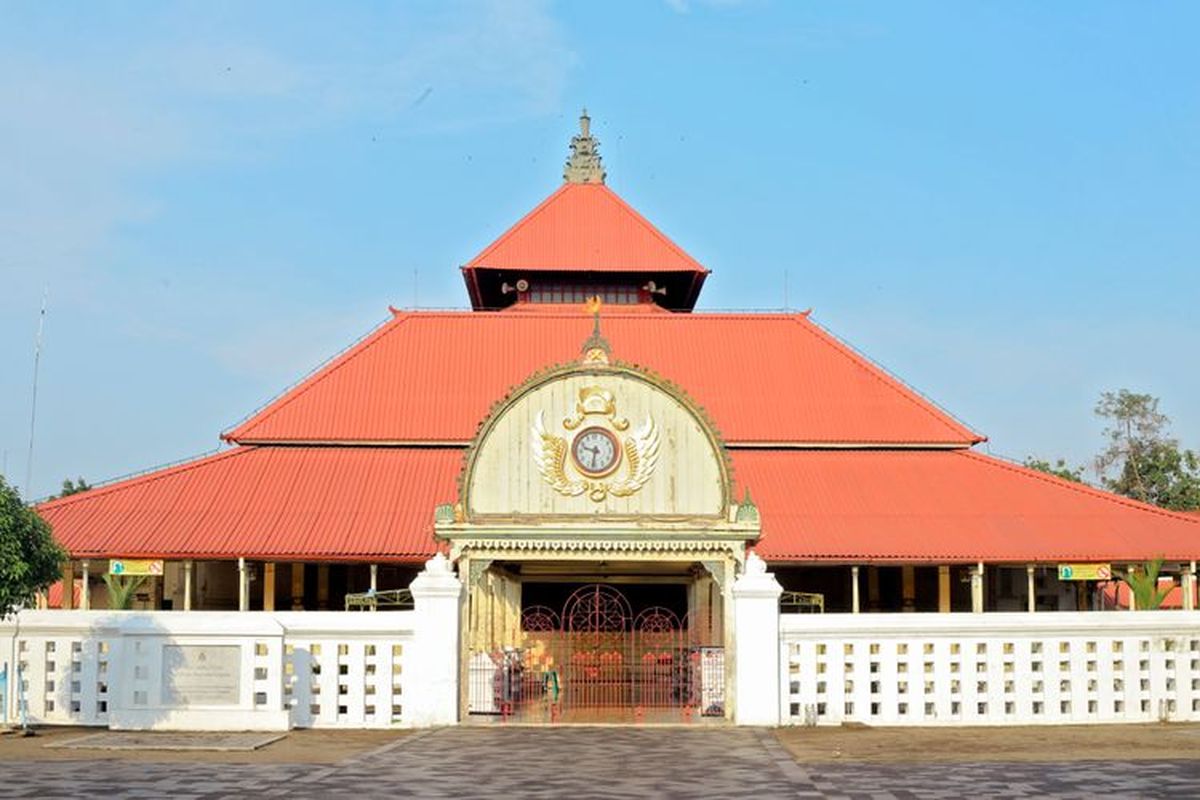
[(550, 452)]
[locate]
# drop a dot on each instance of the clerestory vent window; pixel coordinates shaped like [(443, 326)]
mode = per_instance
[(577, 293)]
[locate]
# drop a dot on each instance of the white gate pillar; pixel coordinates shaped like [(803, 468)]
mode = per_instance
[(431, 688), (756, 643)]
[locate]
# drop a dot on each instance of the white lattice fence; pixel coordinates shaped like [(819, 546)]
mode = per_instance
[(983, 669), (346, 675)]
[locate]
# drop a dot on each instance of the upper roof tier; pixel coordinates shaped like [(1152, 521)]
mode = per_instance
[(584, 237), (765, 379)]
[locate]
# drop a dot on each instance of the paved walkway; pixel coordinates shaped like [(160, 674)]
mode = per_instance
[(579, 763)]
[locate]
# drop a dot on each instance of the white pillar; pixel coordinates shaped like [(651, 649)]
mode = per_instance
[(431, 666), (1189, 588), (757, 686), (187, 585), (85, 592), (1029, 588), (854, 601), (243, 586), (977, 589)]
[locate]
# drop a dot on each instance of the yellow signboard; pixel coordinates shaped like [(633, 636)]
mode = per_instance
[(1085, 572), (135, 566)]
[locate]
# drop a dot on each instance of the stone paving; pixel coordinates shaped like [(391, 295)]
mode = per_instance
[(581, 763)]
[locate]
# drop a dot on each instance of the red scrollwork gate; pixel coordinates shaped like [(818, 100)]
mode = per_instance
[(600, 661)]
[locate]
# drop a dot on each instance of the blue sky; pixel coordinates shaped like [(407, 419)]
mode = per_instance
[(996, 201)]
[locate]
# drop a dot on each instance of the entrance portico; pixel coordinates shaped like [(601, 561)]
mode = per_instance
[(596, 533)]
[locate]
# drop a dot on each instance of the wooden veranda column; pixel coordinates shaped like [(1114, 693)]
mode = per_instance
[(297, 586), (68, 586), (323, 586), (944, 588), (908, 580), (269, 586)]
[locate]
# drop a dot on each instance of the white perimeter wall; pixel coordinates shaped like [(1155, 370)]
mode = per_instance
[(297, 669), (277, 669), (988, 669)]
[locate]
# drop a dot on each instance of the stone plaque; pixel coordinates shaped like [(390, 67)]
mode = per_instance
[(201, 674)]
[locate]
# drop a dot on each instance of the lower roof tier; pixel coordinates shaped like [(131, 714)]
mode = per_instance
[(377, 503)]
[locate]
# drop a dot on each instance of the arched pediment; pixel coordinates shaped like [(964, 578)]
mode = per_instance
[(596, 441)]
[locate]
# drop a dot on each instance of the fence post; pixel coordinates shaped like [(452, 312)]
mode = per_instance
[(431, 691), (756, 644)]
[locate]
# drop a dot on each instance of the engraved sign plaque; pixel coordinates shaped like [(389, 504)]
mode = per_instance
[(201, 675)]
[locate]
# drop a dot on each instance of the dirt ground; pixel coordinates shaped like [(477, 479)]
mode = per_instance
[(807, 745), (298, 747), (1042, 743)]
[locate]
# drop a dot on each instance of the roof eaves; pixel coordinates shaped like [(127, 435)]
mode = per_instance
[(149, 476), (1082, 488)]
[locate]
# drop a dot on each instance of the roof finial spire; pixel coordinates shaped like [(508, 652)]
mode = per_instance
[(596, 349), (583, 165)]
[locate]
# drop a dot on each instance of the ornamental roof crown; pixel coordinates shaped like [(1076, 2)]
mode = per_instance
[(583, 165)]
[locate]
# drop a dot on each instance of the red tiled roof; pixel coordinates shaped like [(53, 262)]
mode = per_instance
[(772, 378), (376, 503), (945, 506), (277, 502), (584, 227)]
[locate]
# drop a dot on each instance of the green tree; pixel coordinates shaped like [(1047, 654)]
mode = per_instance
[(30, 559), (1142, 461), (1059, 469), (70, 487)]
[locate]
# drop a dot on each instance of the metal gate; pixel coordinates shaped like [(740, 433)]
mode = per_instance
[(598, 661)]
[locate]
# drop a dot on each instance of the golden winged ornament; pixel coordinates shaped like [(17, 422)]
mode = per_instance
[(550, 453)]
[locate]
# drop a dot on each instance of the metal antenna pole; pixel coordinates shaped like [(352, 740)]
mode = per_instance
[(37, 358)]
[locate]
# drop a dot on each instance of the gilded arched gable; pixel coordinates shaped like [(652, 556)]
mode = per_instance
[(599, 441)]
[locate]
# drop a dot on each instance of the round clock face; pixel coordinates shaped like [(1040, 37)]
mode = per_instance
[(595, 452)]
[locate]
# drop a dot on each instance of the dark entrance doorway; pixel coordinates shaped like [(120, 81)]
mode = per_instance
[(597, 657)]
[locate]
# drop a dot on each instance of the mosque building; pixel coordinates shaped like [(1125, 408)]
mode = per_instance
[(596, 456)]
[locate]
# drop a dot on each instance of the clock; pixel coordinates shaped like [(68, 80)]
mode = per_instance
[(595, 452)]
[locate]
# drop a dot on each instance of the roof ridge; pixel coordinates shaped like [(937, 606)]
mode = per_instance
[(893, 382), (1084, 488), (316, 374)]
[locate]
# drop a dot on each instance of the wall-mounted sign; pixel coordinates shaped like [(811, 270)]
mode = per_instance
[(204, 675), (1085, 572), (135, 566)]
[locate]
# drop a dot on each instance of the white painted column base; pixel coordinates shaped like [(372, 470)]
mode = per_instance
[(756, 664), (431, 687)]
